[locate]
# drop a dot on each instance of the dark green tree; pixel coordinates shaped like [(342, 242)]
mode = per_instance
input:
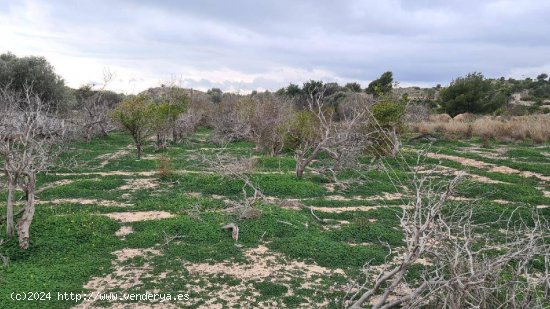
[(542, 78), (215, 94), (382, 85), (473, 94), (293, 90), (354, 87), (17, 73), (312, 87)]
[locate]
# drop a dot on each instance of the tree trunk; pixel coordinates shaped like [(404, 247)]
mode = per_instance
[(300, 169), (103, 129), (10, 225), (302, 162), (24, 223), (396, 144), (175, 137), (89, 134), (138, 148)]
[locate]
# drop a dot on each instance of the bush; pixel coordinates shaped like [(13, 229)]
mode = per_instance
[(382, 85), (473, 94), (18, 72)]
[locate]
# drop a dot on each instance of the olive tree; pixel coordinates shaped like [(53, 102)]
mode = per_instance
[(16, 72)]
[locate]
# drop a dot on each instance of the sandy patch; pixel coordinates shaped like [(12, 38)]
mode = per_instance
[(482, 179), (106, 158), (292, 204), (461, 160), (460, 198), (361, 244), (262, 264), (124, 231), (384, 196), (130, 253), (527, 174), (111, 173), (337, 198), (139, 183), (84, 201), (497, 153), (55, 184), (135, 216), (330, 187), (491, 167), (194, 194), (124, 277), (352, 208), (151, 157)]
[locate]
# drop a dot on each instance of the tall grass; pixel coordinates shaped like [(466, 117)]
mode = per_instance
[(521, 128)]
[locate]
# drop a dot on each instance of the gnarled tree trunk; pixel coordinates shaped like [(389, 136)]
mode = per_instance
[(23, 225), (12, 183)]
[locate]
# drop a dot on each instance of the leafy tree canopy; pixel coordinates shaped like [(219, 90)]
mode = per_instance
[(382, 85), (354, 87), (36, 72), (474, 94)]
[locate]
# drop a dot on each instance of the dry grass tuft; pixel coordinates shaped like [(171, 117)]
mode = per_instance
[(164, 167), (520, 128)]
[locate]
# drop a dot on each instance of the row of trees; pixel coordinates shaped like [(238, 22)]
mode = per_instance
[(144, 115), (16, 73), (382, 85), (31, 137), (311, 124), (33, 133), (474, 94)]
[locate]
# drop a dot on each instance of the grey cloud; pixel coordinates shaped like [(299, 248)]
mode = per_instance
[(422, 41)]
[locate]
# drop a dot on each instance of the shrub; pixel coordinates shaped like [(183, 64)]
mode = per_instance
[(36, 71), (382, 85), (473, 94), (135, 116)]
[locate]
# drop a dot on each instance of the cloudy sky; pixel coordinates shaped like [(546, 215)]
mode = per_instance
[(240, 45)]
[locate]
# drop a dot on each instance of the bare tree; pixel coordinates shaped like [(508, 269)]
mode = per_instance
[(238, 169), (94, 105), (318, 131), (267, 115), (4, 259), (31, 136), (463, 266), (229, 121)]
